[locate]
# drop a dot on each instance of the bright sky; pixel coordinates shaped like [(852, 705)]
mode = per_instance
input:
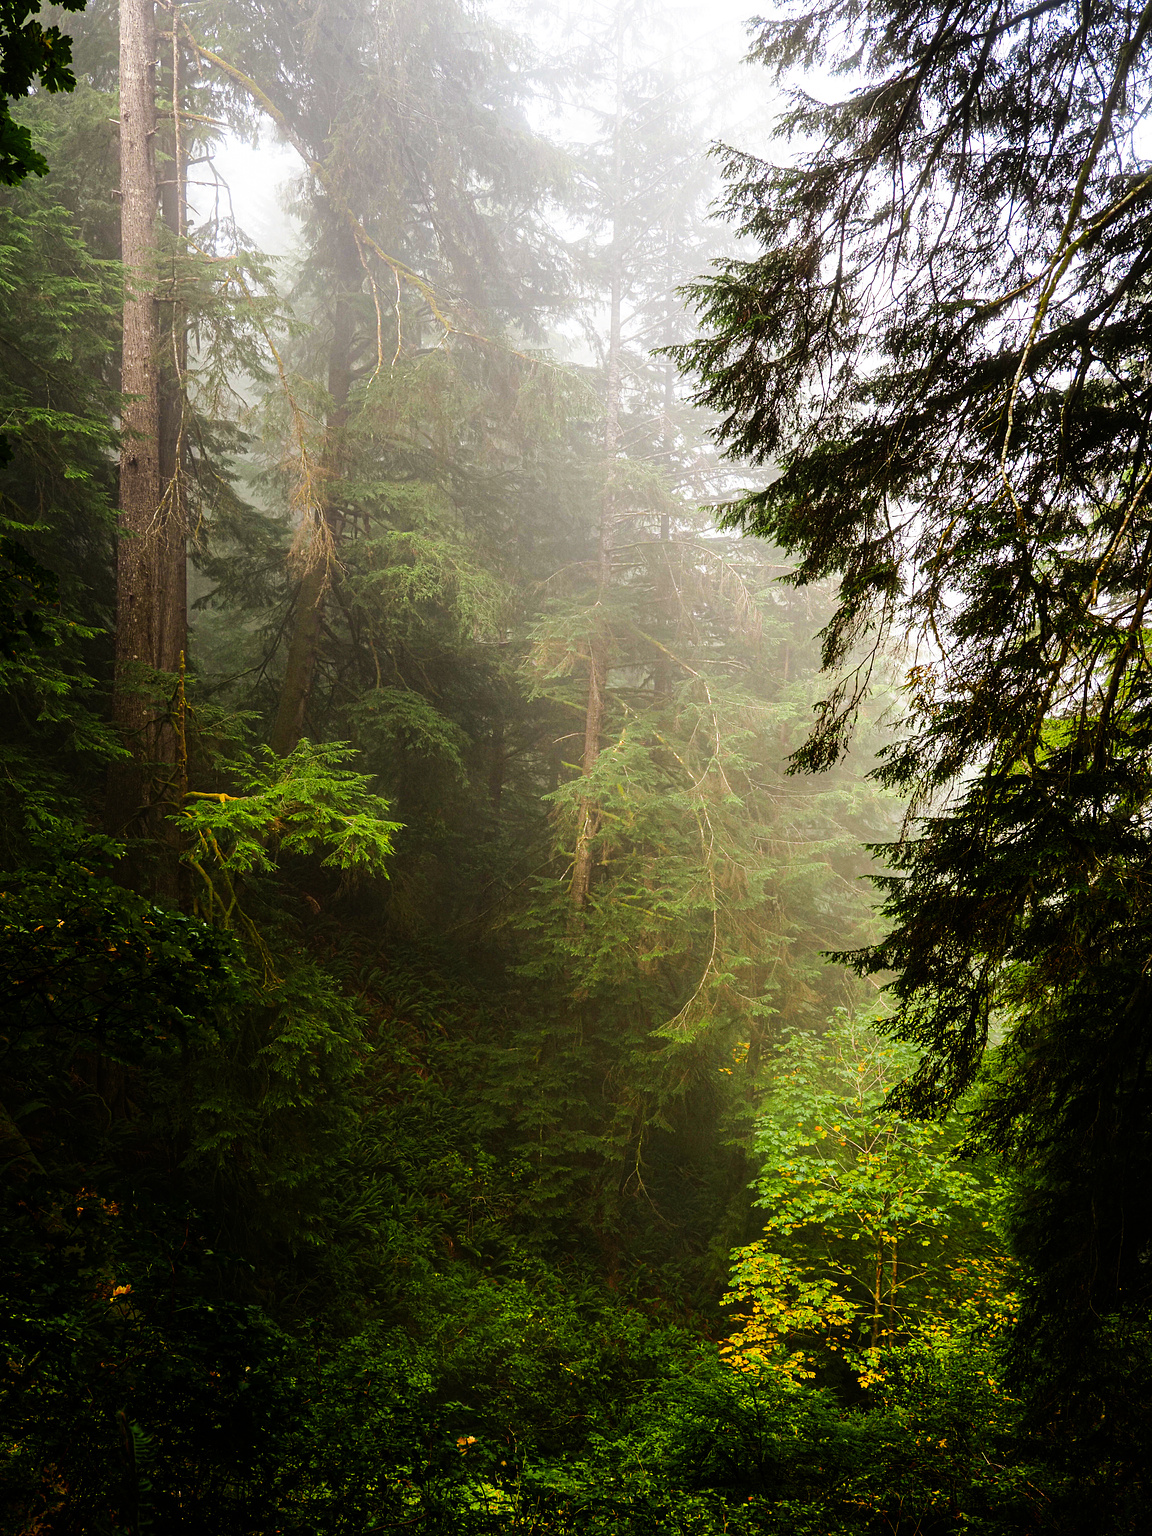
[(702, 44)]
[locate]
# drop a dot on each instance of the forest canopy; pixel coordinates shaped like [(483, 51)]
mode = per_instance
[(465, 675)]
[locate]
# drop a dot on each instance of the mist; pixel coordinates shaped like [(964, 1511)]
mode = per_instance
[(575, 698)]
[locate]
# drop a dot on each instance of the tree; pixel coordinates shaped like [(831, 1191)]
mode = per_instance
[(874, 1223), (176, 438), (58, 339), (678, 920), (645, 190), (139, 575), (942, 342), (151, 557), (613, 195), (30, 55), (423, 176)]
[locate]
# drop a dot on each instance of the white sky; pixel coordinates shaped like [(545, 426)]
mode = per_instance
[(703, 44)]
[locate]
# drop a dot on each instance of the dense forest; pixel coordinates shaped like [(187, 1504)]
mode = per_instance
[(576, 770)]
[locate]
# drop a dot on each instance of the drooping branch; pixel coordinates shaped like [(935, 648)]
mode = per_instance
[(402, 271)]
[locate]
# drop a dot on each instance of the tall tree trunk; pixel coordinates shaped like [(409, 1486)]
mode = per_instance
[(171, 745), (497, 766), (665, 590), (893, 1285), (311, 598), (172, 548), (137, 614), (877, 1294), (588, 816)]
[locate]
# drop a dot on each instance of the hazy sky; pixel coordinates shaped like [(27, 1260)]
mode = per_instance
[(702, 44)]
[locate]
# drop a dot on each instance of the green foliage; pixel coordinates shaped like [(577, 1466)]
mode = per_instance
[(875, 1228), (57, 331), (137, 1032), (364, 1185), (53, 478), (934, 335), (131, 1402), (307, 803), (30, 55), (27, 593)]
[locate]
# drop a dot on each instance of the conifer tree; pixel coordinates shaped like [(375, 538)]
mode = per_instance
[(677, 926), (58, 333), (613, 193), (423, 178), (941, 341), (30, 55), (138, 582)]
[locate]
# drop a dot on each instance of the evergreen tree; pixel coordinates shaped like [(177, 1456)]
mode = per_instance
[(352, 1183), (174, 446), (143, 531), (58, 334), (425, 178), (30, 55), (941, 341), (673, 931)]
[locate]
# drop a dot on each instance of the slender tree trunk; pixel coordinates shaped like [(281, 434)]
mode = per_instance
[(496, 766), (137, 614), (311, 598), (666, 596), (172, 552), (170, 736), (588, 818), (893, 1281), (877, 1293)]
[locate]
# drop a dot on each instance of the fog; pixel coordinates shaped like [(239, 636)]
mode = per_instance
[(701, 56), (523, 1012)]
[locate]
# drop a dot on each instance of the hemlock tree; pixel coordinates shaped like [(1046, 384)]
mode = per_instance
[(679, 922), (423, 221), (646, 185), (671, 653), (30, 55), (435, 461), (942, 342)]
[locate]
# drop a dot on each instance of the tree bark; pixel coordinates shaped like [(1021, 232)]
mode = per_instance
[(311, 597), (497, 766), (893, 1282), (877, 1294), (666, 596), (172, 548), (170, 737), (588, 816), (137, 616)]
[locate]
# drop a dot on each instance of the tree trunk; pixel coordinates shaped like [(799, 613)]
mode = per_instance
[(496, 767), (893, 1282), (170, 737), (172, 551), (311, 598), (137, 615), (877, 1294), (665, 588), (588, 818)]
